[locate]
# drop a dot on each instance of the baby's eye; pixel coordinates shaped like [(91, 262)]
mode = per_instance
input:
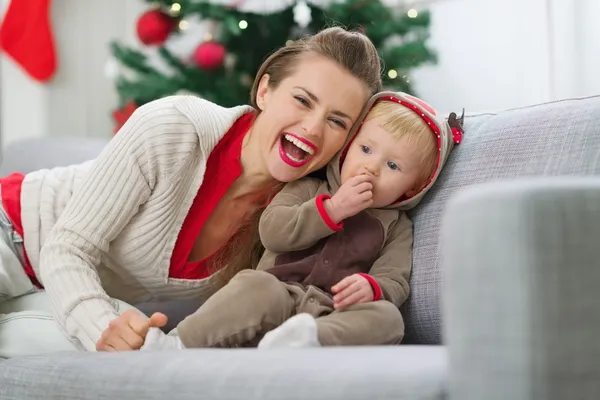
[(366, 149), (393, 166)]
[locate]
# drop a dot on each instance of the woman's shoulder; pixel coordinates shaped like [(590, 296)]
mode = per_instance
[(184, 113), (207, 116)]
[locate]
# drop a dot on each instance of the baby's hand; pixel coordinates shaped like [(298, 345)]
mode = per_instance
[(355, 195), (351, 290)]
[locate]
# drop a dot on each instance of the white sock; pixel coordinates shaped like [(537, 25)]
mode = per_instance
[(156, 339), (298, 331)]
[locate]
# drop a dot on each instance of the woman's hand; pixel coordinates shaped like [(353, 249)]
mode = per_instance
[(351, 290), (128, 331)]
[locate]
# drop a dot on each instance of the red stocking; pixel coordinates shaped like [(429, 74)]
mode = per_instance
[(26, 36)]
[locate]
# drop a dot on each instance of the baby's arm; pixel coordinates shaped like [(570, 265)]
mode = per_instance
[(390, 273), (296, 218)]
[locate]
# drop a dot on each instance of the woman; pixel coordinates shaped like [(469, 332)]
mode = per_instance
[(169, 209)]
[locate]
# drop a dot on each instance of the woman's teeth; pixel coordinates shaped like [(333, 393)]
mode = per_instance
[(298, 143), (294, 158)]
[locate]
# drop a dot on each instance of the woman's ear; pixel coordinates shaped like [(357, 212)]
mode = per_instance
[(262, 92)]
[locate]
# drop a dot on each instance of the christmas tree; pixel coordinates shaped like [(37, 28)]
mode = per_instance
[(240, 34)]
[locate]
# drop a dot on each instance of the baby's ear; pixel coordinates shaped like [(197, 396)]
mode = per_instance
[(412, 192), (455, 122)]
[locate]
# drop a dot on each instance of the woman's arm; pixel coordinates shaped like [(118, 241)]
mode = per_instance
[(121, 179)]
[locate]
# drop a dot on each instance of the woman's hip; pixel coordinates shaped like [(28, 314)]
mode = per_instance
[(14, 281)]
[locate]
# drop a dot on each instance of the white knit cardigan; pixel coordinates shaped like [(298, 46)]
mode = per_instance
[(107, 228)]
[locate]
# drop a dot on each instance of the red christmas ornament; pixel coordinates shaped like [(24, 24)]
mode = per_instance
[(209, 55), (122, 115), (154, 27)]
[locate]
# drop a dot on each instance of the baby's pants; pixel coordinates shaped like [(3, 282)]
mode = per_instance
[(255, 302)]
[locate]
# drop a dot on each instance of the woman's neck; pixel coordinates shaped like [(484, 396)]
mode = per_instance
[(255, 180)]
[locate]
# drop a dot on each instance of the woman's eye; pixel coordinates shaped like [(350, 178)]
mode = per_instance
[(339, 123), (302, 101), (393, 166), (366, 149)]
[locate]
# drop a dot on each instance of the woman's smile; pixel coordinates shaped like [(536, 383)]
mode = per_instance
[(296, 151)]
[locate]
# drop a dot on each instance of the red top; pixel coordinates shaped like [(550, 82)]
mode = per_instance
[(223, 167), (223, 162)]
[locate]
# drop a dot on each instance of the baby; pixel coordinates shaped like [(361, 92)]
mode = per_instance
[(338, 252)]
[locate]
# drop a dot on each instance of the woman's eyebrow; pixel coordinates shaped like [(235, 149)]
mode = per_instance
[(314, 98)]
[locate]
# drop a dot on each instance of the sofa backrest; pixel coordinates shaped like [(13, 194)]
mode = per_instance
[(559, 138), (33, 154)]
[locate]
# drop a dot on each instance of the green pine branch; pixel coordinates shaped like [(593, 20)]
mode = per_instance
[(401, 42)]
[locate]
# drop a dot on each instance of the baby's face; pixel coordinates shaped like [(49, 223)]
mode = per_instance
[(393, 164)]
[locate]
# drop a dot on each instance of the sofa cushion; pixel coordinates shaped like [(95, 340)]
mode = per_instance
[(382, 373), (559, 138)]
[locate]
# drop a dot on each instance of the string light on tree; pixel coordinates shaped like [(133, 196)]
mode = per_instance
[(246, 80), (302, 14), (230, 61), (392, 74), (412, 13), (183, 25), (212, 30), (243, 24), (112, 69), (175, 9)]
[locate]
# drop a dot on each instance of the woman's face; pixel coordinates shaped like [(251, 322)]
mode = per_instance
[(306, 119)]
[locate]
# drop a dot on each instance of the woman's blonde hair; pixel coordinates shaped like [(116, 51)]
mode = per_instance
[(353, 51), (402, 122)]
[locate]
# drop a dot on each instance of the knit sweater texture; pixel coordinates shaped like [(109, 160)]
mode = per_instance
[(107, 228)]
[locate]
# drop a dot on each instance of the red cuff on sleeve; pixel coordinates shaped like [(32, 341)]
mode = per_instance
[(321, 207), (374, 285)]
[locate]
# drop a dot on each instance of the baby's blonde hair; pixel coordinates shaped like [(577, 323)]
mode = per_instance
[(402, 122)]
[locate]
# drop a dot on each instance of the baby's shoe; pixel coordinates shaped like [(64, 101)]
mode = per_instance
[(156, 339), (297, 332)]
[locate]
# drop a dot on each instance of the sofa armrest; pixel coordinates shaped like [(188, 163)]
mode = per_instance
[(521, 291), (331, 373)]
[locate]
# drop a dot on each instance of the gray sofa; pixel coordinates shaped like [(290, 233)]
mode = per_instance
[(509, 239)]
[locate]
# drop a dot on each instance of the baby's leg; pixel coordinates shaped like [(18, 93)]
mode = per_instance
[(300, 330), (364, 324), (251, 304)]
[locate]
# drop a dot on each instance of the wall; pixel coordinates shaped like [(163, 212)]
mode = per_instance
[(79, 99), (22, 103), (493, 54), (502, 54), (588, 46)]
